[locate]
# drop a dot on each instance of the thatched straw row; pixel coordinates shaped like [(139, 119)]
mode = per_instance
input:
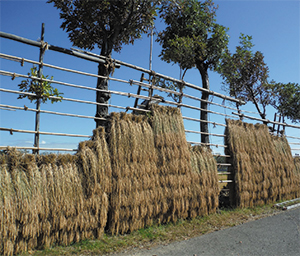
[(133, 160), (53, 199), (142, 171), (153, 179), (262, 165)]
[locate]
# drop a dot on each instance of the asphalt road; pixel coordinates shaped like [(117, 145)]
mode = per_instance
[(274, 235)]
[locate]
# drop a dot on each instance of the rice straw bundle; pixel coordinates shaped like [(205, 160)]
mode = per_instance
[(174, 162), (262, 165), (153, 180), (204, 185), (141, 171), (134, 173), (20, 202), (193, 171), (51, 199)]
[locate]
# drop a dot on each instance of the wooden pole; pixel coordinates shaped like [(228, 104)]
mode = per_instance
[(275, 116), (75, 53), (38, 102), (278, 124), (139, 91)]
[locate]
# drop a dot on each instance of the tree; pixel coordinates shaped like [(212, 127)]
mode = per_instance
[(286, 99), (192, 38), (43, 90), (107, 24), (245, 74)]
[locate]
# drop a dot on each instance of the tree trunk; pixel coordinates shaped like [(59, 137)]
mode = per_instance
[(203, 69), (102, 84)]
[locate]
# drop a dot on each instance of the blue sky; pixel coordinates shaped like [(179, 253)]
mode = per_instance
[(273, 24)]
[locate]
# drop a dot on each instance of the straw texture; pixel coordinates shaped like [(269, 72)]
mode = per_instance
[(134, 171), (53, 199), (152, 175), (262, 165), (141, 171)]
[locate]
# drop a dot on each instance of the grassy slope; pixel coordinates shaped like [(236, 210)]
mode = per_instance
[(162, 234)]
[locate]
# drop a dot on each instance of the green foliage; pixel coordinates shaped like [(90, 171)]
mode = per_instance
[(43, 90), (245, 74), (170, 85), (286, 99), (192, 37), (106, 23)]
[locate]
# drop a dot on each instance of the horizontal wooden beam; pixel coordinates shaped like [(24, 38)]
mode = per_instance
[(54, 48)]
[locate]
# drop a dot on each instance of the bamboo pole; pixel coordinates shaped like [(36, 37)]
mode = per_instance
[(37, 148), (127, 94), (206, 110), (38, 102), (199, 120), (11, 130), (151, 72), (66, 99), (54, 48), (53, 112), (207, 144), (212, 134), (22, 60), (292, 137), (267, 121), (228, 156), (114, 92)]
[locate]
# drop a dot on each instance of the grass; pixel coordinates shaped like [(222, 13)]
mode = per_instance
[(284, 204), (162, 234)]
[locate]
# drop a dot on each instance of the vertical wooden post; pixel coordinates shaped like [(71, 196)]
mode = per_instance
[(180, 97), (150, 92), (38, 103), (151, 50), (139, 91), (278, 124), (275, 116)]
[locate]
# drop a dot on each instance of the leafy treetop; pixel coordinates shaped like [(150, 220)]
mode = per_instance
[(286, 99), (245, 73), (192, 36), (107, 24)]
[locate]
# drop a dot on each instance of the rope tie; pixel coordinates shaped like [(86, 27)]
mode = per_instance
[(45, 46), (110, 65)]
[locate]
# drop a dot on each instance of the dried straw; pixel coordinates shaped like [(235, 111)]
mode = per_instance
[(262, 165), (153, 179), (133, 160), (53, 199), (205, 186), (142, 171)]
